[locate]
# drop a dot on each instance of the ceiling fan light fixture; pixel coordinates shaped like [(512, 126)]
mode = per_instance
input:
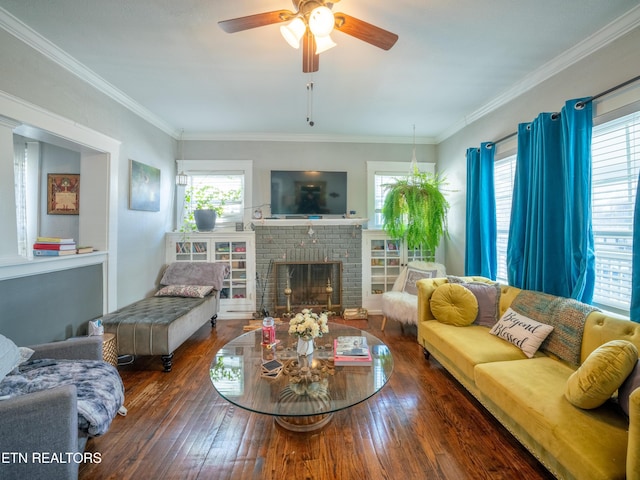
[(324, 43), (293, 32), (321, 21)]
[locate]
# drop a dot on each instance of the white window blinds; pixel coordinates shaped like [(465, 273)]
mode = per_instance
[(616, 164), (503, 174)]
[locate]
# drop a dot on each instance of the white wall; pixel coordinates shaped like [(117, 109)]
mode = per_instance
[(349, 157), (610, 66)]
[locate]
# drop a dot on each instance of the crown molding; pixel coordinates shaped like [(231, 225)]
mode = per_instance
[(39, 43), (609, 33), (302, 137)]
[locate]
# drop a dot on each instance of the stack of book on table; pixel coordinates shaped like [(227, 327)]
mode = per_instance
[(54, 246), (351, 350)]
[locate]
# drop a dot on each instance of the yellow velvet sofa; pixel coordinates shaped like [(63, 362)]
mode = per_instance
[(527, 394)]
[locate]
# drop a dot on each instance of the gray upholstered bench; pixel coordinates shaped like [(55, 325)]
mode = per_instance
[(158, 325)]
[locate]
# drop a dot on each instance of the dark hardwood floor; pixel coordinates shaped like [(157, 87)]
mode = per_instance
[(422, 425)]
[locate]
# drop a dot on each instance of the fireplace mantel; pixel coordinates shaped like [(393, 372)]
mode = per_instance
[(289, 222)]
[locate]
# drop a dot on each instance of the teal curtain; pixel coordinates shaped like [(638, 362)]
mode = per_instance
[(481, 257), (550, 246), (634, 313)]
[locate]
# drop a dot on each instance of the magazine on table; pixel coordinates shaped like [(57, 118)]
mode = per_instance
[(351, 360), (351, 350), (351, 346)]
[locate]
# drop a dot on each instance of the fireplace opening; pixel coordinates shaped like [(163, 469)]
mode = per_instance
[(314, 285)]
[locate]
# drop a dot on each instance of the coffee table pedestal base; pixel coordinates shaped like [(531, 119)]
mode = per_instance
[(304, 424)]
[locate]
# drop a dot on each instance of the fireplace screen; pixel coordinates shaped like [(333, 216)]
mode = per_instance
[(315, 285)]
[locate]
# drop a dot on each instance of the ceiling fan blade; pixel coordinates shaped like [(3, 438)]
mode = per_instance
[(310, 61), (365, 31), (258, 20)]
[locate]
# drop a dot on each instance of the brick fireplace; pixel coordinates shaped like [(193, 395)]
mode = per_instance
[(278, 244)]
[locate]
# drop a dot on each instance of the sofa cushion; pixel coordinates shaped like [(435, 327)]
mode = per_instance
[(601, 374), (488, 297), (437, 271), (9, 356), (195, 273), (188, 291), (25, 354), (455, 279), (525, 333), (527, 395), (412, 276), (454, 305), (466, 347), (628, 386)]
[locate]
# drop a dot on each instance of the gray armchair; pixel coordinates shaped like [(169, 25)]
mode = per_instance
[(45, 422)]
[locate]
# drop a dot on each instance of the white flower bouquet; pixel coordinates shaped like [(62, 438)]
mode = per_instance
[(308, 325)]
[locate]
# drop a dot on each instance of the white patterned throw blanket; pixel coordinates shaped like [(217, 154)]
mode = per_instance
[(99, 388)]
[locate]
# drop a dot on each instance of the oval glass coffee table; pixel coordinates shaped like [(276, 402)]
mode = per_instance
[(302, 395)]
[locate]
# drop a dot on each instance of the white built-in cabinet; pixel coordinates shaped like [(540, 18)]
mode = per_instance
[(383, 259), (237, 250)]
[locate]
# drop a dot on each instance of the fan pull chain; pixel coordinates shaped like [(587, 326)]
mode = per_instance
[(310, 104)]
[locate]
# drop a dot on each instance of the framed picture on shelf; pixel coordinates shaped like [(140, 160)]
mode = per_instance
[(144, 187), (63, 194)]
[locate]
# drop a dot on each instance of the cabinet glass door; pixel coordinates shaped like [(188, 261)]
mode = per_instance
[(234, 254), (385, 264), (238, 270)]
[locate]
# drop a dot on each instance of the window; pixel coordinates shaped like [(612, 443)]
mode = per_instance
[(378, 175), (26, 168), (615, 154), (225, 186), (20, 173), (615, 151), (222, 191), (504, 173)]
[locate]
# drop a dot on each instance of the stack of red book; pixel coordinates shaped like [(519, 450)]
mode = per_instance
[(54, 246)]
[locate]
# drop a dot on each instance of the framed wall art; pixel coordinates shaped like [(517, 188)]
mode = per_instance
[(63, 194), (144, 187)]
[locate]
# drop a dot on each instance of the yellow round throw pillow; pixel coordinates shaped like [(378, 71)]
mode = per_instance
[(453, 304), (601, 374)]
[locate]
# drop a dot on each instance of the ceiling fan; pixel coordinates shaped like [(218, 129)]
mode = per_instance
[(312, 23)]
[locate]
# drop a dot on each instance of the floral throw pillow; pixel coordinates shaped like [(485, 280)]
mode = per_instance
[(190, 291)]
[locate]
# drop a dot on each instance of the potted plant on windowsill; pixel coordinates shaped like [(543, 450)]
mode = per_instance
[(203, 205), (415, 210)]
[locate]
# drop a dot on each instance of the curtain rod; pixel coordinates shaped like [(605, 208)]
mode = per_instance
[(591, 99)]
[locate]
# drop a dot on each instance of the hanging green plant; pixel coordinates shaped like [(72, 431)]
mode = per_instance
[(415, 210)]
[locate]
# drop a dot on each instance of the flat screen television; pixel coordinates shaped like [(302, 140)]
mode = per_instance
[(308, 193)]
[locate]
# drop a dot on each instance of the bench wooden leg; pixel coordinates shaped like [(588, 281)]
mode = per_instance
[(214, 320), (384, 323), (167, 362)]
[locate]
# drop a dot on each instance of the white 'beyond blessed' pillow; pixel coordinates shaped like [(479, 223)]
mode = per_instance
[(524, 332)]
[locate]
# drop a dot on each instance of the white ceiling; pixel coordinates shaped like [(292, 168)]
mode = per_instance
[(169, 61)]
